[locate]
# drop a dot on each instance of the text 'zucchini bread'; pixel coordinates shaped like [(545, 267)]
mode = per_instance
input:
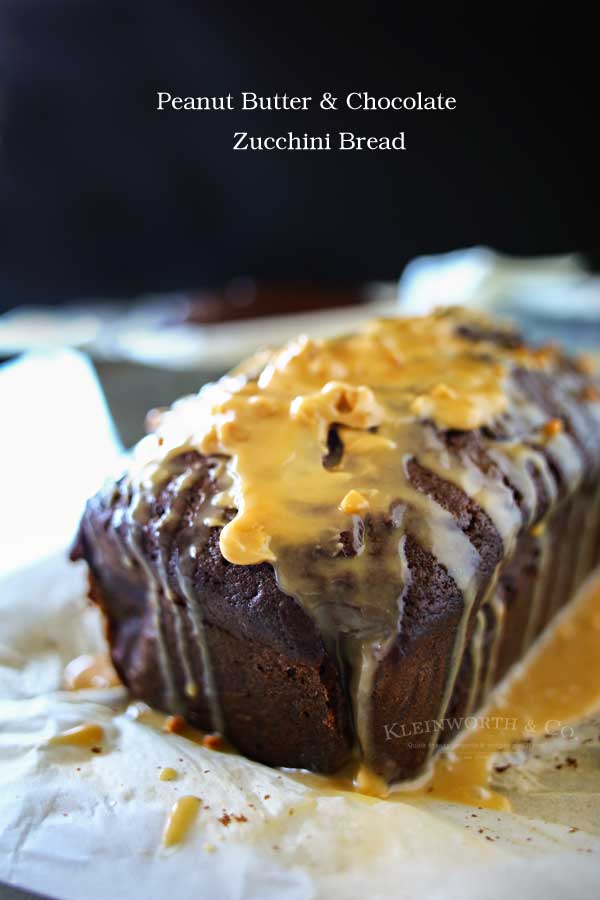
[(345, 543)]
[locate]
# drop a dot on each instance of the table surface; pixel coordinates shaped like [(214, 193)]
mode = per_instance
[(8, 892)]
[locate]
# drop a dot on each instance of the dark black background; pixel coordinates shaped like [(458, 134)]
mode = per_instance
[(102, 194)]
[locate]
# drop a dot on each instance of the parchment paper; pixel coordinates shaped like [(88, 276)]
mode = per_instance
[(74, 824)]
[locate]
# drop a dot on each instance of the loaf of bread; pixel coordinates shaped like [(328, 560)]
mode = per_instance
[(338, 549)]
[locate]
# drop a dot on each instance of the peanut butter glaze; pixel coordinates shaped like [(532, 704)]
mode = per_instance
[(85, 735), (90, 671), (315, 443), (537, 702), (180, 820)]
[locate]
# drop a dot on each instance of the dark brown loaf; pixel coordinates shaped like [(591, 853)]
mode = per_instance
[(278, 690), (281, 695)]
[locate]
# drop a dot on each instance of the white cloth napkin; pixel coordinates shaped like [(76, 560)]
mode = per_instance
[(57, 444)]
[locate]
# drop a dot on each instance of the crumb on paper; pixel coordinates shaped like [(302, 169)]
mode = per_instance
[(553, 427), (227, 818), (590, 392)]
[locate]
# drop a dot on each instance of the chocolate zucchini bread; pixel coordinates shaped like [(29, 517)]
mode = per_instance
[(344, 544)]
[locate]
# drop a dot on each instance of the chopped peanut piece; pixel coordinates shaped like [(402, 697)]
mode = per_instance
[(80, 736), (590, 392), (354, 503), (351, 405), (442, 391), (587, 364)]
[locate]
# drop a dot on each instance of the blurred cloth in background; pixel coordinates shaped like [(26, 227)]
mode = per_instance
[(102, 195), (148, 353)]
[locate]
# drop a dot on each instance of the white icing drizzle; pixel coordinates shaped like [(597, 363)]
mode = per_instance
[(134, 514), (544, 469), (497, 608), (437, 531), (476, 651), (199, 632), (567, 457), (190, 686), (133, 548), (563, 580), (456, 660), (371, 653), (459, 557), (540, 591), (589, 541), (515, 460), (487, 490), (182, 483)]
